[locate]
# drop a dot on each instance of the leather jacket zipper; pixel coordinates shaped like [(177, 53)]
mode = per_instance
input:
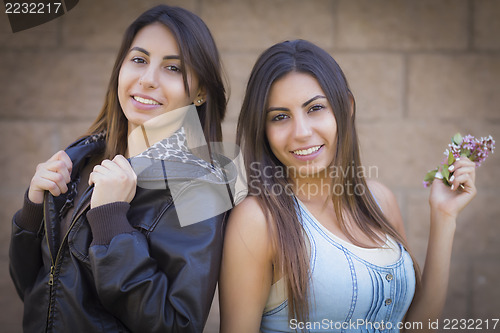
[(51, 276), (85, 203)]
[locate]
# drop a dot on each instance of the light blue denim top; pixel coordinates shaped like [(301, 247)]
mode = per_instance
[(347, 293)]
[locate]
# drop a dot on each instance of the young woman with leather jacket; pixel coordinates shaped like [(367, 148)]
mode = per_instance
[(91, 251)]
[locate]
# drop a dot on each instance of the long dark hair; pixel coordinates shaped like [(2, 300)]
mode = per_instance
[(284, 224), (197, 51)]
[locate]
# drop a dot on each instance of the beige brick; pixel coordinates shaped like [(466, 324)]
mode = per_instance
[(237, 67), (485, 290), (403, 151), (29, 143), (11, 200), (42, 36), (101, 25), (54, 84), (258, 24), (377, 82), (454, 86), (402, 25), (486, 24), (229, 131), (314, 21), (457, 299), (478, 231), (69, 132), (11, 305)]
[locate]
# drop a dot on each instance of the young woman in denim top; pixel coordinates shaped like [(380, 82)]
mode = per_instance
[(91, 250), (315, 246)]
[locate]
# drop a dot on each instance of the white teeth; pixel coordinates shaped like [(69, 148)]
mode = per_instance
[(309, 151), (145, 101)]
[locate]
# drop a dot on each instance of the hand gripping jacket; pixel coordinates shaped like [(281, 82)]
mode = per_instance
[(121, 267)]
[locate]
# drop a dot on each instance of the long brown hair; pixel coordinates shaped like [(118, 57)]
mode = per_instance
[(280, 206), (197, 51)]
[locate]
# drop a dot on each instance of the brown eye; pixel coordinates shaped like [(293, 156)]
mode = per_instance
[(316, 107), (279, 117), (138, 60), (173, 68)]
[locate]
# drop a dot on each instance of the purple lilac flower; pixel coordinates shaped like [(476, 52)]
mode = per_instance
[(477, 150)]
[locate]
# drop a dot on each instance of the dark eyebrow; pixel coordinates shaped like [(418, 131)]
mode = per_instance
[(312, 100), (140, 49), (277, 109), (309, 101)]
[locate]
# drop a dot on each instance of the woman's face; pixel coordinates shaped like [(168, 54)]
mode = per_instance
[(300, 124), (150, 82)]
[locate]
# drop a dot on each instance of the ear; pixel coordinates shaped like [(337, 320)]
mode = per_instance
[(201, 96)]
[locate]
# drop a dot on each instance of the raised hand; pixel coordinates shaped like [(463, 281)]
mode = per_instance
[(451, 200), (52, 175), (113, 181)]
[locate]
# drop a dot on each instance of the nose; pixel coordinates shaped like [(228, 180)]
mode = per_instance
[(302, 127), (149, 79)]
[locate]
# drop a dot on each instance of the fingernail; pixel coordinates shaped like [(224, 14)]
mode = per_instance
[(451, 167), (457, 159), (452, 177), (452, 186), (438, 175)]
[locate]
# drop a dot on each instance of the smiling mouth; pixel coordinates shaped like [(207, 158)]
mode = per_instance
[(305, 152), (145, 100)]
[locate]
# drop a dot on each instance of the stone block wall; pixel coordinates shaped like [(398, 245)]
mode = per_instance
[(420, 71)]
